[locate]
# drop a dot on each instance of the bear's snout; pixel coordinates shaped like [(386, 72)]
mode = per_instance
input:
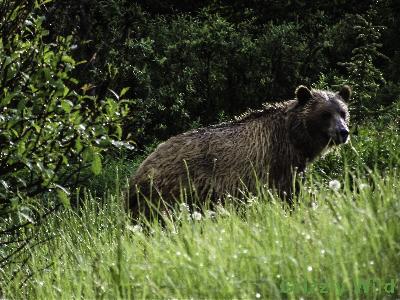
[(344, 133), (342, 136)]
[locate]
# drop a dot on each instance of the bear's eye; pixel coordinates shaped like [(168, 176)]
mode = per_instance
[(343, 114)]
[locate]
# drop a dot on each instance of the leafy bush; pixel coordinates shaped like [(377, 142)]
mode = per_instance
[(52, 135), (49, 132)]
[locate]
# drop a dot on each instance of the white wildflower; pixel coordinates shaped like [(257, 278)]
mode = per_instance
[(196, 216), (334, 185), (314, 205), (209, 214), (184, 207), (136, 228)]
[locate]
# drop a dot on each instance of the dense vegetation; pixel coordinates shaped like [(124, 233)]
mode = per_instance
[(88, 87), (192, 63)]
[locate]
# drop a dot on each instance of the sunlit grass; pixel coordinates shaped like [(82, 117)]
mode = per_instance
[(332, 242)]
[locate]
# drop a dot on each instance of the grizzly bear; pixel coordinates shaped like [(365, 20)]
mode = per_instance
[(267, 146)]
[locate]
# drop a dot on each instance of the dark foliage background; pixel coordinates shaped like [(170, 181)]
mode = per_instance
[(191, 63)]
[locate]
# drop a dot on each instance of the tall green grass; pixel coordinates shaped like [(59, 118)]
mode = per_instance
[(339, 242)]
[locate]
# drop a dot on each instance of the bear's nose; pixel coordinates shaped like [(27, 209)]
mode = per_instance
[(344, 133)]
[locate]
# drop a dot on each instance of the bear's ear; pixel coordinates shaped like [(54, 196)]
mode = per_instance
[(303, 94), (345, 93)]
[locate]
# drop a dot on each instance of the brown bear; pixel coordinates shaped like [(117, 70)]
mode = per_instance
[(266, 146)]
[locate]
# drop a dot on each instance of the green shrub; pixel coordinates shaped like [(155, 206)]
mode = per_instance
[(49, 132), (52, 135)]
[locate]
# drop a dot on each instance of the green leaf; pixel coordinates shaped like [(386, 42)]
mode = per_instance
[(63, 196), (36, 127), (66, 105), (4, 184), (21, 148), (118, 132), (96, 164), (7, 98), (46, 74), (73, 80), (162, 60), (68, 59), (78, 144), (21, 104), (123, 91), (66, 91)]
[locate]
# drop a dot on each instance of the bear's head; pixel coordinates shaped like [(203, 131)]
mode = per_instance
[(323, 117)]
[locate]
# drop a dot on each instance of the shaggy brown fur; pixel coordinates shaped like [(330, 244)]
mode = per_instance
[(268, 145)]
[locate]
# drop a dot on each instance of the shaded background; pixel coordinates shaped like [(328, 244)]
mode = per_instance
[(192, 63)]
